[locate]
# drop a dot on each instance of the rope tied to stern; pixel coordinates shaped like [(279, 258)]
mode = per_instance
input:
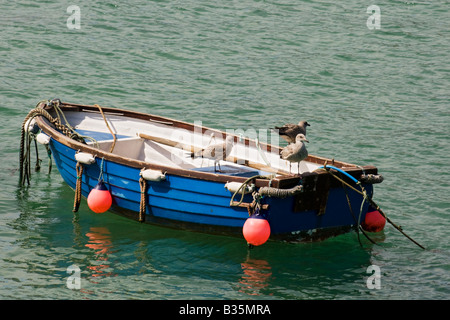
[(366, 197)]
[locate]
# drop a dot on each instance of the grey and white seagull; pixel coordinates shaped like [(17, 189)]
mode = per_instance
[(295, 152), (216, 152), (289, 131)]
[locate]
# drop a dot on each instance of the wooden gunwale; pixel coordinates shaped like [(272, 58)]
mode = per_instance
[(278, 182)]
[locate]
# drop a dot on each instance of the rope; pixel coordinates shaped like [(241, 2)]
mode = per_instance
[(49, 154), (22, 154), (27, 136), (280, 193), (100, 176), (25, 170), (372, 178), (107, 124), (76, 203), (37, 167), (363, 192), (243, 187), (73, 133), (357, 221), (143, 185), (263, 191), (25, 139)]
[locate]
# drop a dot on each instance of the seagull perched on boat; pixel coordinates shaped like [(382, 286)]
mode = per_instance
[(295, 152), (290, 131), (216, 152)]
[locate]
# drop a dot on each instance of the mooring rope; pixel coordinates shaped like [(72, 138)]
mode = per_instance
[(49, 154), (25, 141), (37, 167), (363, 192), (143, 205), (27, 136), (26, 161), (357, 221), (77, 200)]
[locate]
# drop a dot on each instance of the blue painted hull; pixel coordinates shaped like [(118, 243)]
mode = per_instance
[(192, 196), (203, 205)]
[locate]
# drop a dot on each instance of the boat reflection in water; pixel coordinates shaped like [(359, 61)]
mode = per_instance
[(256, 276), (100, 241)]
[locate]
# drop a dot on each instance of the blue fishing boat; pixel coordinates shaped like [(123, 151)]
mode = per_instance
[(144, 163)]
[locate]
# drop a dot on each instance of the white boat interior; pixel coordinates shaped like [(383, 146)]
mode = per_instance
[(159, 142)]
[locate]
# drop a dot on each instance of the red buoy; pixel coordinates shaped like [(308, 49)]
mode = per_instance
[(256, 230), (99, 199), (374, 221)]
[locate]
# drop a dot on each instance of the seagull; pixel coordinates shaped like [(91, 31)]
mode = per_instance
[(216, 152), (289, 131), (295, 152)]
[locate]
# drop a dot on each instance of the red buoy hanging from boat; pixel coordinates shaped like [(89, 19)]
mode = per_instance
[(374, 221), (256, 229), (99, 199)]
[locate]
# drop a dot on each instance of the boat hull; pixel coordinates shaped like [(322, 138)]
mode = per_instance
[(202, 205), (308, 205)]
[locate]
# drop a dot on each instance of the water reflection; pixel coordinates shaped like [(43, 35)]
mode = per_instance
[(256, 276), (100, 242)]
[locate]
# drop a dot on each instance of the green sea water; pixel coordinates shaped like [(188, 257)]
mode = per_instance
[(378, 96)]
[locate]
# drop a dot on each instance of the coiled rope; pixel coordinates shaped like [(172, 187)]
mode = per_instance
[(242, 189), (280, 193), (27, 136), (262, 192)]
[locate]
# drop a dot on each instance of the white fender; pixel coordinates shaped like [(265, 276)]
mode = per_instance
[(84, 157), (31, 126), (153, 175), (235, 186), (42, 138)]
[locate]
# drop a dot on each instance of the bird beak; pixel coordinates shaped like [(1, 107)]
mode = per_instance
[(306, 140)]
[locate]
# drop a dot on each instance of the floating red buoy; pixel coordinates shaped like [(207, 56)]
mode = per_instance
[(374, 221), (256, 230), (99, 199)]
